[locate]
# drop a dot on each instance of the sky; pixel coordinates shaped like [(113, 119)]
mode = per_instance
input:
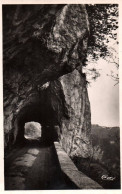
[(104, 96)]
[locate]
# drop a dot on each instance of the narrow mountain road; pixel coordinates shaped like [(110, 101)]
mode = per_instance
[(35, 167)]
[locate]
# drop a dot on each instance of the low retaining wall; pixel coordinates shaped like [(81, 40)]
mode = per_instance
[(68, 167)]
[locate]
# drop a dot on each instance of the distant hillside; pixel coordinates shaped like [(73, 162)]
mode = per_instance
[(105, 156), (108, 140), (105, 132)]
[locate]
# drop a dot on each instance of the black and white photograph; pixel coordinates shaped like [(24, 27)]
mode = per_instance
[(61, 110)]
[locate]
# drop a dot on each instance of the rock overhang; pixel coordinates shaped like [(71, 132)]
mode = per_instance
[(40, 44), (47, 40)]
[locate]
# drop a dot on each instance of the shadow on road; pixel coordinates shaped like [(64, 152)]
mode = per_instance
[(34, 165)]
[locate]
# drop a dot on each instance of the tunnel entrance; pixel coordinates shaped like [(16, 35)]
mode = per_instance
[(36, 122), (32, 131), (47, 107)]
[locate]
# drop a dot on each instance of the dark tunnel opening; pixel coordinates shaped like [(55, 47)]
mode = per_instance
[(46, 118)]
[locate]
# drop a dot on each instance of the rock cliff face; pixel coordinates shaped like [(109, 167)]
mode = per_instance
[(44, 49), (76, 131)]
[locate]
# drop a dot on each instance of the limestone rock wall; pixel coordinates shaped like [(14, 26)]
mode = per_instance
[(75, 136), (43, 45)]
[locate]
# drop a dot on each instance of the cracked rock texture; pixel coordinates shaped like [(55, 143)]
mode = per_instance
[(44, 49), (76, 131)]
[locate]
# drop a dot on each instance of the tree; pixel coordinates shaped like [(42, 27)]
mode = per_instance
[(103, 42), (103, 19)]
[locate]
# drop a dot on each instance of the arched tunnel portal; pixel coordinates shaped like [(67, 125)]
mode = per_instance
[(46, 107), (37, 113)]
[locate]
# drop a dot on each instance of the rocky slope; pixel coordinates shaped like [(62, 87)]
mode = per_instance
[(44, 49)]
